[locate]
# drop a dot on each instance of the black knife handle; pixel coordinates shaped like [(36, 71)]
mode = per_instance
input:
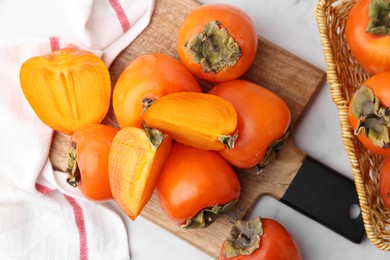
[(327, 197)]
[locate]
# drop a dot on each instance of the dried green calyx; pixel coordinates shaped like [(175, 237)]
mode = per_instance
[(156, 137), (379, 14), (272, 149), (244, 238), (213, 48), (229, 140), (73, 170), (147, 102), (373, 117), (208, 215)]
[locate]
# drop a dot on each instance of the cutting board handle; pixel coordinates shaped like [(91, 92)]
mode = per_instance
[(307, 186), (326, 196)]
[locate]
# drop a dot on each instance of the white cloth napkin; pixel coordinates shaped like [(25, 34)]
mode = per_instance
[(40, 217)]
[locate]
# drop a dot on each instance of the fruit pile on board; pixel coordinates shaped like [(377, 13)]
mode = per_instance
[(173, 136)]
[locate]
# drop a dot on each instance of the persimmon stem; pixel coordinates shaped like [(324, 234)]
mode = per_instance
[(147, 102), (244, 238), (229, 140)]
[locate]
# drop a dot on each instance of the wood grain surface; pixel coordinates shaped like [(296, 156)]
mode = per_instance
[(290, 77)]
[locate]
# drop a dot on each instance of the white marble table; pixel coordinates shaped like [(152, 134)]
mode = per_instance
[(290, 24)]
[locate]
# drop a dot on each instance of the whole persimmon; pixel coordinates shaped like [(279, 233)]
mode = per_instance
[(88, 160), (369, 113), (368, 34), (384, 182), (196, 186), (263, 122), (259, 238), (146, 79), (217, 42)]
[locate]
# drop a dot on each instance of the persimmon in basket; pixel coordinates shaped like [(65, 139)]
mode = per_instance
[(368, 34), (369, 113), (384, 182)]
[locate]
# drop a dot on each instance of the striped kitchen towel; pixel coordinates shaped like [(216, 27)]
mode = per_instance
[(40, 218)]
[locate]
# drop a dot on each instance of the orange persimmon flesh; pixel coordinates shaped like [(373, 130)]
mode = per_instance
[(67, 88), (134, 166), (200, 120)]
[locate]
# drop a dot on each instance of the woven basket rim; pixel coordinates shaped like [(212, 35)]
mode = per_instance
[(342, 107)]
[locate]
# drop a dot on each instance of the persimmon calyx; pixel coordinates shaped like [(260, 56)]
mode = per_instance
[(147, 102), (379, 14), (213, 48), (373, 118), (244, 238), (72, 169), (272, 149), (155, 136), (208, 215), (228, 140)]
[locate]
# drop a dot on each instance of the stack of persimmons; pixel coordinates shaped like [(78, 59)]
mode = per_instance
[(173, 135), (368, 36)]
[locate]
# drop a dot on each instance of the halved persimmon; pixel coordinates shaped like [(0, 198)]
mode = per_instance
[(135, 161), (197, 119)]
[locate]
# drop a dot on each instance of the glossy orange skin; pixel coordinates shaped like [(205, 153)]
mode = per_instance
[(276, 243), (262, 118), (93, 144), (149, 76), (193, 179), (370, 50), (384, 182), (239, 26), (379, 83)]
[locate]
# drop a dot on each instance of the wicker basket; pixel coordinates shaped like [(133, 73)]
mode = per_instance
[(344, 75)]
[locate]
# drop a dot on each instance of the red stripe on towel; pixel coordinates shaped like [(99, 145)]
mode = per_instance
[(79, 218), (42, 188), (120, 14), (54, 44)]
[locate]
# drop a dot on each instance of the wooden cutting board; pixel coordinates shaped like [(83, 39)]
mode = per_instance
[(291, 78)]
